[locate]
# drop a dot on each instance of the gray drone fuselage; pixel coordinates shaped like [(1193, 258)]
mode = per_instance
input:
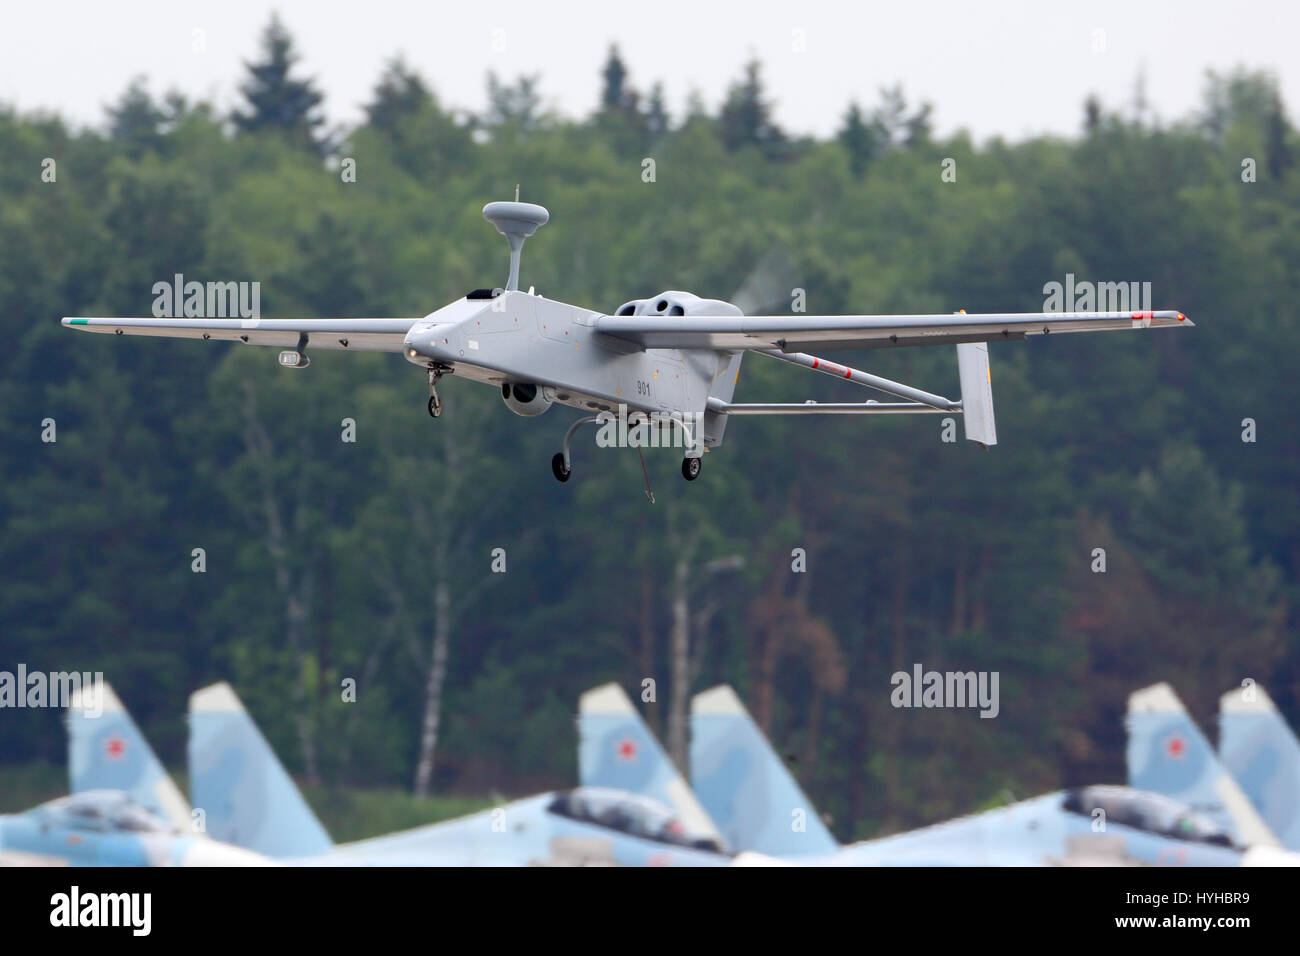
[(673, 359), (519, 338)]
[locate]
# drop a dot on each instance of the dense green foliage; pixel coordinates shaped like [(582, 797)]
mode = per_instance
[(322, 556)]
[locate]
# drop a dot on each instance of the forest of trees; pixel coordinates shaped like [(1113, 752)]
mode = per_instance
[(372, 560)]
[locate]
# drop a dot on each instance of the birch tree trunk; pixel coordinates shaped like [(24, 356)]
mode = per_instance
[(433, 686), (295, 588), (440, 531), (680, 651)]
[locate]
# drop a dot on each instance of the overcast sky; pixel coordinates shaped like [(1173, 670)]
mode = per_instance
[(996, 68)]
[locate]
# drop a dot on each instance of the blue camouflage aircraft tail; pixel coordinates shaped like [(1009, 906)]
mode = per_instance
[(745, 786), (1167, 753), (106, 751), (243, 790), (616, 749), (1262, 753)]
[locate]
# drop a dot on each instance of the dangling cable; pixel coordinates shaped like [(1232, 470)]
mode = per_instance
[(648, 493)]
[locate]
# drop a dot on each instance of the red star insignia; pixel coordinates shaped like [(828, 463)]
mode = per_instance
[(115, 748), (1176, 746), (627, 749)]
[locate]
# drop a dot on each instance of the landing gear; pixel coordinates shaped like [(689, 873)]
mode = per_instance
[(561, 464), (691, 468), (435, 403)]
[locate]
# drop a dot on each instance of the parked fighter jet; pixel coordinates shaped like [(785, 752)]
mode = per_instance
[(124, 810), (249, 800), (757, 806), (671, 360)]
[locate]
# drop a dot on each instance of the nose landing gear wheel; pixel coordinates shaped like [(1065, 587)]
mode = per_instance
[(691, 468), (435, 403), (558, 469)]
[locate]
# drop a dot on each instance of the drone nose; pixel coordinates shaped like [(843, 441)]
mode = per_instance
[(428, 343)]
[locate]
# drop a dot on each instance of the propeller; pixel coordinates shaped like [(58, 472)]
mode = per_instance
[(769, 287)]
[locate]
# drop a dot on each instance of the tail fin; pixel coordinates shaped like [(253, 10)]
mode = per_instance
[(1262, 753), (744, 785), (723, 388), (245, 793), (977, 393), (106, 751), (1167, 753), (616, 749)]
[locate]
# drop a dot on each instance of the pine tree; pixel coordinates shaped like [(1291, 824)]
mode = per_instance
[(613, 96), (275, 101), (136, 119), (401, 94), (1091, 114), (859, 138), (746, 117), (514, 106), (656, 115)]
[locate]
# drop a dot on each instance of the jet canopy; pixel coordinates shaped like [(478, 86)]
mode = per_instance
[(102, 811), (632, 814), (1152, 812)]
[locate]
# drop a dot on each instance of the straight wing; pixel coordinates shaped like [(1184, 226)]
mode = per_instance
[(367, 335), (791, 333)]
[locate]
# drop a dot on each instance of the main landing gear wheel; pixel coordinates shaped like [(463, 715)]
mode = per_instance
[(558, 469), (435, 405), (691, 468)]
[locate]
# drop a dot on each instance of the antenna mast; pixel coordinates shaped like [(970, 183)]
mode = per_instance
[(516, 221)]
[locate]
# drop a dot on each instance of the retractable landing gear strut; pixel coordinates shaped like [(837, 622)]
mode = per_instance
[(562, 464), (435, 403)]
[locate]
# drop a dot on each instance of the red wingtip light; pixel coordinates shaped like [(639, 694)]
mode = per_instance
[(1181, 317)]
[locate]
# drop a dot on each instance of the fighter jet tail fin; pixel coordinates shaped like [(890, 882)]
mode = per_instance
[(1260, 750), (616, 749), (107, 751), (244, 792), (745, 786), (1167, 753)]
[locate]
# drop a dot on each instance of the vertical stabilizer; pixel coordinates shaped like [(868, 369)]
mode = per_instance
[(744, 785), (106, 751), (1261, 752), (616, 749), (242, 788), (977, 393)]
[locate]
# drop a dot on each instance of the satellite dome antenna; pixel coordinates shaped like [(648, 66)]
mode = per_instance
[(516, 221)]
